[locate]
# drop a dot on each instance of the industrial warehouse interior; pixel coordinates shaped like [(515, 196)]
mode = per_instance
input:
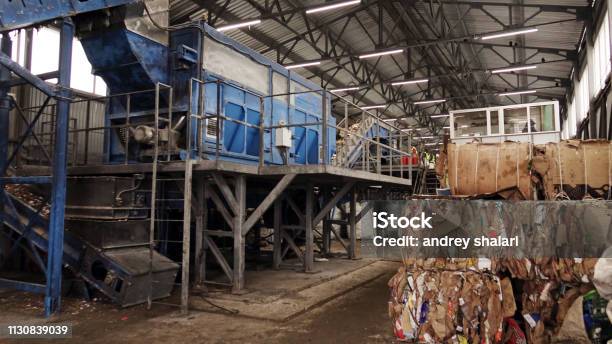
[(306, 171)]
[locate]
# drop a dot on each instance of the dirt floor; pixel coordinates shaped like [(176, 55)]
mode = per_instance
[(359, 315)]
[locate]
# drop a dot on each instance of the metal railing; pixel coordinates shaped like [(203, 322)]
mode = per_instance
[(368, 144)]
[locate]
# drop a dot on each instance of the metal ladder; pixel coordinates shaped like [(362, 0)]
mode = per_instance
[(170, 192)]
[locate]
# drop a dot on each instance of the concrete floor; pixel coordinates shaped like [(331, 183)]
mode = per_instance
[(345, 302)]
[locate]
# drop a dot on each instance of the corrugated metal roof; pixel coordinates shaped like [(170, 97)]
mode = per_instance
[(361, 35)]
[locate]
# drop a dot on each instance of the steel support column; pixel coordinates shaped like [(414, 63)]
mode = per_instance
[(188, 191), (239, 249), (58, 195), (201, 215), (352, 224), (277, 255), (309, 229), (5, 103)]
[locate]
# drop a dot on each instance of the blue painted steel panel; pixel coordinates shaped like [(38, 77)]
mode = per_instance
[(252, 137), (233, 133), (129, 62)]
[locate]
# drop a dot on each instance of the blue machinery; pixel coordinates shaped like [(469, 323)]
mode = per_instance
[(180, 93)]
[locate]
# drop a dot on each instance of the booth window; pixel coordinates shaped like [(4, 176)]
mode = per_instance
[(471, 124), (494, 115), (542, 118), (515, 121)]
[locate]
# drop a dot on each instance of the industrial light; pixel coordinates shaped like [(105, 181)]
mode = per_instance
[(373, 107), (382, 53), (409, 82), (509, 33), (433, 101), (428, 137), (446, 127), (305, 64), (239, 25), (512, 69), (345, 89), (433, 144), (333, 6), (389, 120), (439, 116), (516, 93)]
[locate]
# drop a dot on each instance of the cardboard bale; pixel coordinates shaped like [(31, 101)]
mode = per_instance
[(567, 270), (467, 300), (572, 329), (574, 164), (446, 306), (479, 168), (546, 305), (452, 264)]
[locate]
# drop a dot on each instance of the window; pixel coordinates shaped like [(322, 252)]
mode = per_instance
[(18, 49), (601, 56), (585, 98), (570, 121), (45, 58), (542, 118), (515, 121), (582, 96), (494, 115), (471, 124)]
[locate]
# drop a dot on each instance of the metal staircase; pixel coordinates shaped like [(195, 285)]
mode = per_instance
[(426, 182), (351, 148)]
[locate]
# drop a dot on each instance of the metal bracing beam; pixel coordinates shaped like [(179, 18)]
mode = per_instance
[(219, 257), (26, 75), (479, 4), (291, 243), (19, 81), (339, 238), (332, 202), (214, 196), (226, 192), (298, 212), (267, 202), (364, 211), (438, 27)]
